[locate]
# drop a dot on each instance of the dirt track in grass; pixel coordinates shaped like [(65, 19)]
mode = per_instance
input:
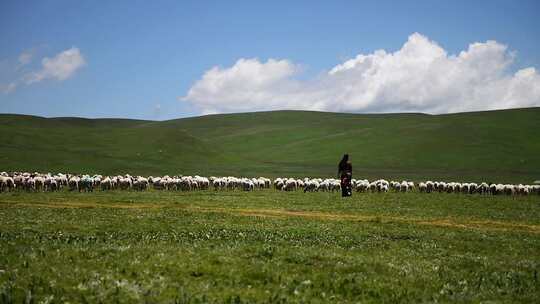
[(487, 225)]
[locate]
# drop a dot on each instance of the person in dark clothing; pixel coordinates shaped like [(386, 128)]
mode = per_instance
[(345, 174)]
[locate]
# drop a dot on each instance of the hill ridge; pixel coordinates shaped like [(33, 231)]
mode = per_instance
[(3, 115), (497, 145)]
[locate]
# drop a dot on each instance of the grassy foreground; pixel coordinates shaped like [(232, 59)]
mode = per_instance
[(268, 246), (496, 146)]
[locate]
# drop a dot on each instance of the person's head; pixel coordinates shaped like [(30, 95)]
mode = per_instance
[(344, 160)]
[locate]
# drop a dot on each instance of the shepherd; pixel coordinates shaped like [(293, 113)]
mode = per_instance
[(345, 174)]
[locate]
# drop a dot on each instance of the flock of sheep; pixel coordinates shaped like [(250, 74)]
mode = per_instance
[(87, 183), (382, 185), (47, 182)]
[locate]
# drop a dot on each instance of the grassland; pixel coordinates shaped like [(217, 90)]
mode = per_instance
[(268, 246), (496, 146)]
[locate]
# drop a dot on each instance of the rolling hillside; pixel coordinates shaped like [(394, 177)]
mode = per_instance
[(493, 146)]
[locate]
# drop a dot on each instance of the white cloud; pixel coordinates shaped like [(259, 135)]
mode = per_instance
[(421, 76), (8, 88), (246, 82), (25, 57), (156, 113), (60, 67)]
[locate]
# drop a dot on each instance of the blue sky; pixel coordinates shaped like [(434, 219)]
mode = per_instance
[(147, 59)]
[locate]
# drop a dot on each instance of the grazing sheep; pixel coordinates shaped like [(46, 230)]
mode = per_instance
[(464, 188), (158, 184), (47, 183), (473, 188), (362, 185), (202, 182), (19, 181), (185, 183), (430, 186), (125, 183), (29, 183), (442, 187), (9, 183), (278, 183), (218, 183), (61, 180), (248, 185), (50, 184), (86, 183), (381, 185), (96, 181), (290, 185), (39, 183), (106, 184), (499, 189), (311, 186), (404, 186), (266, 181), (509, 189), (140, 183), (483, 188), (73, 183)]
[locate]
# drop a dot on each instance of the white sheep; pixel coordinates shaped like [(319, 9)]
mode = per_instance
[(73, 183), (140, 183), (106, 184), (125, 183), (311, 185), (289, 185), (362, 185), (6, 183)]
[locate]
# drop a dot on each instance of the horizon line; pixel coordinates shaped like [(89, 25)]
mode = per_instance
[(267, 111)]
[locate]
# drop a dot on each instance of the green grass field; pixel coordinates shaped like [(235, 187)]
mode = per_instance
[(268, 246), (496, 146), (271, 246)]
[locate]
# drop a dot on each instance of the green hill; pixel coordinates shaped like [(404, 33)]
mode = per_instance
[(493, 146)]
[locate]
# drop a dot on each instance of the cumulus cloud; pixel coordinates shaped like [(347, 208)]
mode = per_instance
[(419, 77), (60, 67), (248, 81)]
